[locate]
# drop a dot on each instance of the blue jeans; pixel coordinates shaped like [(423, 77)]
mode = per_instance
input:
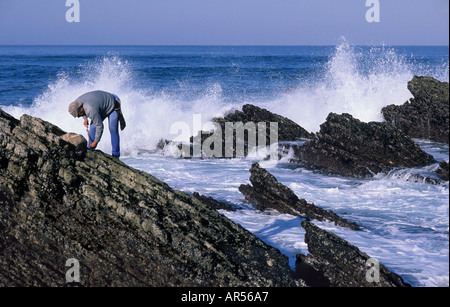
[(113, 120)]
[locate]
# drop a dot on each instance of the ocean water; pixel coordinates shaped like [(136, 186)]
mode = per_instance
[(405, 223)]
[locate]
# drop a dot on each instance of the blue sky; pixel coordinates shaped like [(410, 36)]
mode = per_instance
[(224, 22)]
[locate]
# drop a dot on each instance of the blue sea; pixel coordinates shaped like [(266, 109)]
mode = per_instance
[(405, 223)]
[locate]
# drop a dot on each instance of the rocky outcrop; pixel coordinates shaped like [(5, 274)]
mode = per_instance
[(335, 262), (267, 193), (247, 126), (426, 116), (348, 147), (332, 262), (288, 130), (125, 227)]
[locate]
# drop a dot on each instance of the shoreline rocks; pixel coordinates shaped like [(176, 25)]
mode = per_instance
[(125, 227), (349, 147), (336, 263), (426, 116), (237, 134), (288, 130), (344, 146), (59, 201), (267, 193)]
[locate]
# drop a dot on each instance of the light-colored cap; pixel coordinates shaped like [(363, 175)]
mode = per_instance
[(74, 107)]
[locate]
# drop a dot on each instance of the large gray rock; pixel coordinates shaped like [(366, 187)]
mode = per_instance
[(76, 140), (125, 227), (426, 116)]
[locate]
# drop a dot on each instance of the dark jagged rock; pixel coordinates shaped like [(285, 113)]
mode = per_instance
[(335, 262), (443, 170), (349, 147), (287, 130), (214, 204), (125, 227), (426, 116), (267, 193)]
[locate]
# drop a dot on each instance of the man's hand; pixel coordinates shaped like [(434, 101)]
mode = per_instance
[(86, 122), (93, 145)]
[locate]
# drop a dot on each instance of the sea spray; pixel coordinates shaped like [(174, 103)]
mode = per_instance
[(355, 82), (150, 115), (349, 79)]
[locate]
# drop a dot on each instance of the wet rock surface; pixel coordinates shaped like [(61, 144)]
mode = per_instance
[(267, 193), (288, 130), (239, 132), (348, 147), (125, 227), (426, 116), (215, 204), (335, 262), (332, 261)]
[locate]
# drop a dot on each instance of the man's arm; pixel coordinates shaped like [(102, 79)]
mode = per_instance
[(96, 120)]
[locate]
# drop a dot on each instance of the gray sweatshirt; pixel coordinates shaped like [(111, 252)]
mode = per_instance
[(98, 105)]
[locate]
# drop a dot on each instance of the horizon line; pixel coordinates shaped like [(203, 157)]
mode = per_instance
[(216, 45)]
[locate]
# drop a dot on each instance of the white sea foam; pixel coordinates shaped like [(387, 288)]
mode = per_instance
[(149, 115), (349, 85)]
